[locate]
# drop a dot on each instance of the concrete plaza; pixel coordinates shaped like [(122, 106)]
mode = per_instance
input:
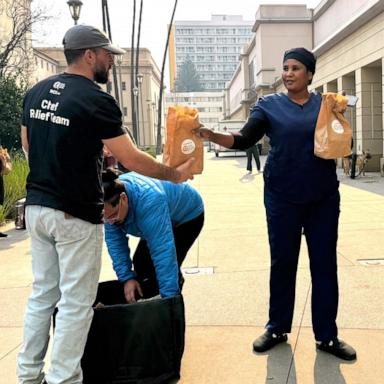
[(226, 288)]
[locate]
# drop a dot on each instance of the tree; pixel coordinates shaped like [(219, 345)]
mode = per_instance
[(17, 18), (188, 80), (11, 100)]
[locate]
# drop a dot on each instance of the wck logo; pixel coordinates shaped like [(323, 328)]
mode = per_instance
[(57, 87)]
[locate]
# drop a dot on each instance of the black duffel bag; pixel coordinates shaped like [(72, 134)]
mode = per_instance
[(140, 343)]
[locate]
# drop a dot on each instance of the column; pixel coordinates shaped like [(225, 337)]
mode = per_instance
[(370, 117)]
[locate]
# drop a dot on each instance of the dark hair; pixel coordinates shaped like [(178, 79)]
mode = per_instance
[(111, 186), (72, 55)]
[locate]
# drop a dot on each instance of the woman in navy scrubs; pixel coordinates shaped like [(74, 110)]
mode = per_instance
[(301, 196)]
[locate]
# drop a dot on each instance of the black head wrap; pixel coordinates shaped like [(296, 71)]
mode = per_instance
[(304, 56)]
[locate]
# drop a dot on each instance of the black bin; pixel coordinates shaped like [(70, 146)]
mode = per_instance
[(141, 343)]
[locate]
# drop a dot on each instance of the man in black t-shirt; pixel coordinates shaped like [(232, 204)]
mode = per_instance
[(66, 120)]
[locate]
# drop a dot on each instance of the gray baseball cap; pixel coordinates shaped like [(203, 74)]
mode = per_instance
[(86, 36)]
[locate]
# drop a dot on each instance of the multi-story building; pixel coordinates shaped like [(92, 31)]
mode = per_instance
[(213, 46), (209, 105), (348, 40), (44, 65)]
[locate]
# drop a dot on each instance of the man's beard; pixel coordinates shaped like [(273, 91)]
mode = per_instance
[(100, 75)]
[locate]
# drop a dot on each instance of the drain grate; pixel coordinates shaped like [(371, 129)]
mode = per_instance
[(370, 262), (198, 271)]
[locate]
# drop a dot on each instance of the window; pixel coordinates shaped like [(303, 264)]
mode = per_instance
[(125, 111), (123, 86)]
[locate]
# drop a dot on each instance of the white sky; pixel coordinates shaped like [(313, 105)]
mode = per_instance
[(156, 15)]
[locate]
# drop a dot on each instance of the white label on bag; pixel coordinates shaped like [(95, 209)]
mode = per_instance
[(337, 126), (187, 146)]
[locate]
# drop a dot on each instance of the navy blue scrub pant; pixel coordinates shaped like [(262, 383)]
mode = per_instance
[(286, 223)]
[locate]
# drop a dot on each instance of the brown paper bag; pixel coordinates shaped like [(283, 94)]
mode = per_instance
[(333, 134), (181, 144), (5, 161)]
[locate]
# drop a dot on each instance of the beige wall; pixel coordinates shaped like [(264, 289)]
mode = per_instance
[(235, 91), (44, 66), (337, 15), (362, 47), (275, 39)]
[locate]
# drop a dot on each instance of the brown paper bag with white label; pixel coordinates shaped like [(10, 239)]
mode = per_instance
[(181, 143), (333, 134)]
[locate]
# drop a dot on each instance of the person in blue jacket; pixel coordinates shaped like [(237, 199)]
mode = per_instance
[(301, 196), (167, 217)]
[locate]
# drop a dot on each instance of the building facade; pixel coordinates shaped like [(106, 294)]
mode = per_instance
[(348, 40), (213, 46), (276, 28), (44, 66)]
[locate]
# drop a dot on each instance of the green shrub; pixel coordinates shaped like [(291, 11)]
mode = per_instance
[(11, 100), (14, 186)]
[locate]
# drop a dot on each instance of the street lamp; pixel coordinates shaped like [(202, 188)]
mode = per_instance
[(140, 78), (153, 105), (75, 8), (135, 92), (119, 64)]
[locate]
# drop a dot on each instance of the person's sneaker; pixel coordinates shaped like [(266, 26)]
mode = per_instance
[(268, 340), (337, 348), (3, 234)]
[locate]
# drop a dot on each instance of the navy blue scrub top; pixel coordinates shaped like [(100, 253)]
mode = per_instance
[(292, 170)]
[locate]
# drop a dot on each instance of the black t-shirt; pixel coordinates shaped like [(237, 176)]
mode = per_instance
[(67, 116)]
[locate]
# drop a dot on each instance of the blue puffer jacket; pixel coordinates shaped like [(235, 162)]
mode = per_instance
[(154, 207)]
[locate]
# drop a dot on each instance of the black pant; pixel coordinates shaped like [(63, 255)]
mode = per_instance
[(285, 224), (255, 152), (184, 235)]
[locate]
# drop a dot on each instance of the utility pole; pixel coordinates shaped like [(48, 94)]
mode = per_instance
[(107, 30)]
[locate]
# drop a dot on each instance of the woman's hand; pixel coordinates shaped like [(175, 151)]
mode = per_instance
[(130, 288), (203, 133)]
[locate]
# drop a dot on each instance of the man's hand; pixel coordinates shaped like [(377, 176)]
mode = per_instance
[(184, 171), (130, 288), (203, 133)]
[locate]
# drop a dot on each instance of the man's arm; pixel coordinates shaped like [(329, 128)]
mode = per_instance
[(24, 140), (118, 249), (135, 160)]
